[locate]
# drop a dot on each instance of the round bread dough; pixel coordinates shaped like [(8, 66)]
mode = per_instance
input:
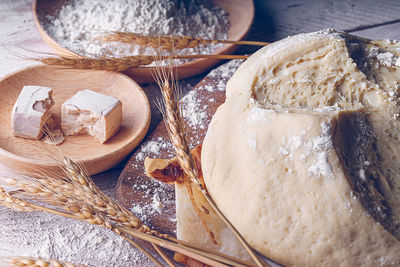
[(303, 157)]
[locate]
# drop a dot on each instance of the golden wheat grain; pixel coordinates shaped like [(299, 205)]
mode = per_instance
[(117, 64), (100, 63), (7, 200), (73, 209), (38, 262), (78, 187), (88, 215), (168, 42), (102, 202), (78, 195), (83, 212)]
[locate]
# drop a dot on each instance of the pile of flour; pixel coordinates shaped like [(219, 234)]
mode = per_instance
[(81, 21), (48, 236)]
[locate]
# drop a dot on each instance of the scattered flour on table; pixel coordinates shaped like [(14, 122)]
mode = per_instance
[(155, 195), (224, 73), (160, 197), (193, 112), (80, 22), (42, 235), (152, 148)]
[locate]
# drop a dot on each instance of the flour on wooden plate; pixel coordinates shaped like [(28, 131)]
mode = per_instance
[(79, 23)]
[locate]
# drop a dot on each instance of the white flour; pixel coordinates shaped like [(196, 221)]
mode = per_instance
[(80, 22), (153, 148), (193, 112), (321, 146), (52, 237)]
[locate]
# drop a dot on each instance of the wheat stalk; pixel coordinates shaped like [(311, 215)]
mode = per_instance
[(38, 262), (98, 63), (77, 197), (117, 64), (14, 203), (85, 213), (71, 208), (79, 187), (115, 211), (82, 197), (168, 42), (174, 124)]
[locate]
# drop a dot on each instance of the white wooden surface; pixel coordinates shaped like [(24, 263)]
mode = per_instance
[(274, 20)]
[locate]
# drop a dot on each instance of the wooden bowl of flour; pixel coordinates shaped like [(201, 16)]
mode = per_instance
[(241, 14)]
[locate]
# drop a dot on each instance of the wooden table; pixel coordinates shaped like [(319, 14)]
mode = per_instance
[(274, 20)]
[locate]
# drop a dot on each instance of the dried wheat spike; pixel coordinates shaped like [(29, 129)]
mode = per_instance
[(164, 42), (72, 207), (38, 262), (94, 196), (98, 63), (118, 64), (167, 42), (83, 212), (11, 202)]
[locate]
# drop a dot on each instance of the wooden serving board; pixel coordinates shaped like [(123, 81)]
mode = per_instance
[(24, 155), (150, 200)]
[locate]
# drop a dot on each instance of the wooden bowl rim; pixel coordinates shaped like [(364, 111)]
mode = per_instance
[(190, 64)]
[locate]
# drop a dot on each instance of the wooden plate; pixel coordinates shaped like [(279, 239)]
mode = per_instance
[(241, 14), (27, 155)]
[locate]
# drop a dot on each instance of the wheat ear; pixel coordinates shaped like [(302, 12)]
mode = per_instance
[(93, 200), (175, 129), (168, 42), (117, 64), (116, 211), (79, 198), (84, 213), (71, 208), (38, 262), (77, 193), (76, 196)]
